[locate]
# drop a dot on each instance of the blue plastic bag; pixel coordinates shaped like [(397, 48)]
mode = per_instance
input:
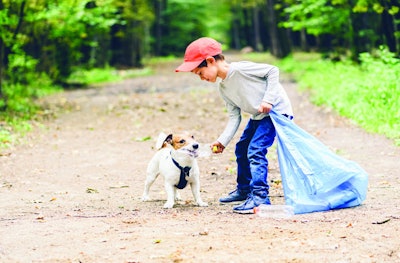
[(313, 177)]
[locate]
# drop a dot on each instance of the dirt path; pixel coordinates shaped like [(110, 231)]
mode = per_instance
[(71, 192)]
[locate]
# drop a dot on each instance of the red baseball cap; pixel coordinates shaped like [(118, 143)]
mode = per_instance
[(197, 51)]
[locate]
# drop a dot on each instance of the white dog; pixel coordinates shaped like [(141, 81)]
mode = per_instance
[(176, 161)]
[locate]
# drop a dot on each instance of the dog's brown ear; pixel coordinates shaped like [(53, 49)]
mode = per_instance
[(169, 139), (163, 140)]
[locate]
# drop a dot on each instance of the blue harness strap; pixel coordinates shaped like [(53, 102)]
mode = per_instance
[(184, 172)]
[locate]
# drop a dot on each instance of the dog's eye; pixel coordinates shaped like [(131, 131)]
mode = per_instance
[(182, 141)]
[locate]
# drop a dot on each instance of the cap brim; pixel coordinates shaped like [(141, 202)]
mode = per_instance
[(188, 66)]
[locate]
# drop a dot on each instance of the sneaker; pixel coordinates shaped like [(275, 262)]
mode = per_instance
[(235, 196), (251, 202)]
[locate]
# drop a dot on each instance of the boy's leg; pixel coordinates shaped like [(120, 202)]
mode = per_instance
[(243, 167), (262, 139)]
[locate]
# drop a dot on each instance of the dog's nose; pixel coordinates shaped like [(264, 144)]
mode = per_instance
[(195, 146)]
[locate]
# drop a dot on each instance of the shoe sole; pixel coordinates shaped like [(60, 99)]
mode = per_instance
[(244, 212), (232, 202)]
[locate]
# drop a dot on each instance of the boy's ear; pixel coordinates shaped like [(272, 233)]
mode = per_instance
[(210, 60)]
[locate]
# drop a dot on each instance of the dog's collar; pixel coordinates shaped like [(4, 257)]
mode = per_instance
[(184, 172)]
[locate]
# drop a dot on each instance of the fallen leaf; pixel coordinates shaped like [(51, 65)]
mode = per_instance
[(129, 221), (143, 139), (204, 233), (91, 190)]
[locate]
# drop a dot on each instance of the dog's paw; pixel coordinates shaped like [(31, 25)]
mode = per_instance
[(178, 197), (203, 204), (145, 198), (168, 205)]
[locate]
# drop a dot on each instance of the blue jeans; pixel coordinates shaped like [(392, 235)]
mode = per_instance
[(251, 151)]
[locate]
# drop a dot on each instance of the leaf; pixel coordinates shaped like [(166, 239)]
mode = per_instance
[(91, 190), (143, 139), (203, 233)]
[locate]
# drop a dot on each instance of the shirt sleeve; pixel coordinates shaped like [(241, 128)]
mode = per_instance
[(273, 86), (232, 126), (270, 74)]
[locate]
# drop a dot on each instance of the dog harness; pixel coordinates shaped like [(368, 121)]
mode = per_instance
[(184, 172)]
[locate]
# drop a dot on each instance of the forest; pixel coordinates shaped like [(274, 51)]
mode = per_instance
[(44, 42)]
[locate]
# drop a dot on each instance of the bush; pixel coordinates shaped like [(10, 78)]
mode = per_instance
[(368, 93)]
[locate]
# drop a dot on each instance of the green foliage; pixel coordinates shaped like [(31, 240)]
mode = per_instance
[(218, 21), (189, 27), (82, 77), (186, 20), (39, 43), (137, 18), (19, 98), (50, 36), (363, 6), (21, 107), (368, 93), (317, 17), (21, 68), (68, 26), (346, 27), (5, 137), (12, 128)]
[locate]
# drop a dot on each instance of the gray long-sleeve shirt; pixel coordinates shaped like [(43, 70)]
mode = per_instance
[(246, 85)]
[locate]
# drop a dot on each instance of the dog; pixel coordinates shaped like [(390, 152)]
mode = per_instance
[(176, 161)]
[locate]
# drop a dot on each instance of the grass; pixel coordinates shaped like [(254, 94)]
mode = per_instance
[(16, 120), (82, 77), (368, 93)]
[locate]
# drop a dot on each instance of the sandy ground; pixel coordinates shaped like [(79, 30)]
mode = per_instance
[(70, 192)]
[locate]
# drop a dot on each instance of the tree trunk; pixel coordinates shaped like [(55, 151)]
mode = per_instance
[(236, 27), (303, 40), (256, 25), (279, 42), (388, 27), (272, 28), (247, 27), (159, 8), (20, 19)]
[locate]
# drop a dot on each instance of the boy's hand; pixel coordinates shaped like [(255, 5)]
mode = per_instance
[(264, 107), (217, 147)]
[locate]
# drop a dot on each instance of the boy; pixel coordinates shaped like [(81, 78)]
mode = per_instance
[(249, 87)]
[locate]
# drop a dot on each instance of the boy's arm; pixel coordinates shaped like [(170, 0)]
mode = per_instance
[(232, 125), (273, 86)]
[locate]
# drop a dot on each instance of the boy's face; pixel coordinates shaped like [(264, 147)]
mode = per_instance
[(209, 73)]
